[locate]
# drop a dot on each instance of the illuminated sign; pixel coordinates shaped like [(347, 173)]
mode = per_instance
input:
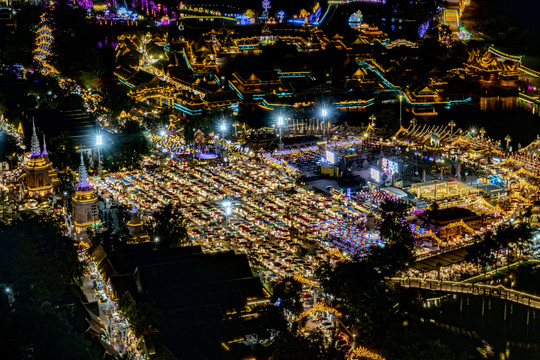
[(375, 175), (330, 157), (389, 167)]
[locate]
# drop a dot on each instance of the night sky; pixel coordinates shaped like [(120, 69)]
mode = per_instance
[(525, 12)]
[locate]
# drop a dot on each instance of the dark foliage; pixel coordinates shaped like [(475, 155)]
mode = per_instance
[(168, 227)]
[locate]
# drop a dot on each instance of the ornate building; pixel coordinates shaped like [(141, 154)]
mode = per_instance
[(85, 204), (484, 63), (39, 177), (135, 227)]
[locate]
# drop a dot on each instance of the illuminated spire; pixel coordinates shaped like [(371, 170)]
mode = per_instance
[(83, 176), (44, 152), (35, 151)]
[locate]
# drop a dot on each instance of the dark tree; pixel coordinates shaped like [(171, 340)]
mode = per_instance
[(116, 100), (482, 252), (269, 322), (130, 145), (17, 43), (38, 264), (144, 318), (37, 259), (286, 295), (8, 146), (63, 152), (168, 227)]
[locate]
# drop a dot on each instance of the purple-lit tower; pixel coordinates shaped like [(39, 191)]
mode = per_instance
[(39, 177), (85, 211)]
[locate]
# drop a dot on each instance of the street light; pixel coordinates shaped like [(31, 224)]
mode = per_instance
[(99, 143), (162, 133), (227, 207), (222, 128), (482, 132), (9, 293), (280, 122), (372, 119), (452, 124), (507, 139), (324, 114)]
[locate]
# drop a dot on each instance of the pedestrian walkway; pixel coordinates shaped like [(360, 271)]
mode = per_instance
[(500, 292)]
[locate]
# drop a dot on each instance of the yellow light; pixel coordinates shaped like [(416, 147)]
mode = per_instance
[(362, 352)]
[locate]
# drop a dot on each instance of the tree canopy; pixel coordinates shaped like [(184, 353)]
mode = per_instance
[(167, 227), (37, 265)]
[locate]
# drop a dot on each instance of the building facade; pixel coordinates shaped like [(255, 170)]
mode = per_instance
[(84, 205)]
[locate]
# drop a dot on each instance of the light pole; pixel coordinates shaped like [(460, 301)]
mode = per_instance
[(9, 293), (280, 122), (452, 124), (507, 139), (482, 132), (372, 119), (223, 129), (99, 143), (324, 114), (227, 209)]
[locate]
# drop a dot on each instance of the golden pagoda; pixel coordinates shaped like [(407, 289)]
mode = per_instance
[(39, 177), (84, 205), (135, 227)]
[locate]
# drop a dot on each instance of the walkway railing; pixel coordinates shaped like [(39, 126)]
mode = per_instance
[(441, 251), (499, 291)]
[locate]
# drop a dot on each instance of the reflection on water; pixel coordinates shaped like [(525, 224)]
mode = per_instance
[(498, 103), (458, 320)]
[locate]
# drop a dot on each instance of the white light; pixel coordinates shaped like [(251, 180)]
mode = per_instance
[(162, 133), (99, 140), (223, 127), (280, 121), (156, 239), (324, 112), (7, 290)]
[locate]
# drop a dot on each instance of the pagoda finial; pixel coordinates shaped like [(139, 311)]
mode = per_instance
[(35, 151), (44, 152), (83, 176), (133, 206)]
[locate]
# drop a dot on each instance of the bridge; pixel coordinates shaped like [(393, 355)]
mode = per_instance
[(453, 287)]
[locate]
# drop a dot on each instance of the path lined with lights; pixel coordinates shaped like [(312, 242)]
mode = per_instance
[(42, 54), (115, 328)]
